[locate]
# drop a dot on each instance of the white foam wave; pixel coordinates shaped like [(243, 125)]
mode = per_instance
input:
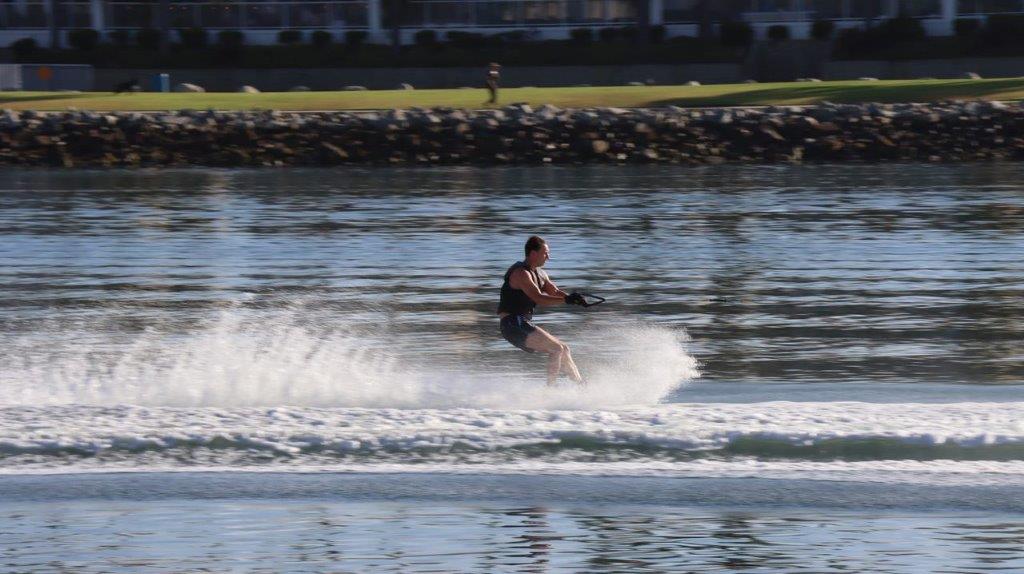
[(287, 438), (273, 361), (917, 472)]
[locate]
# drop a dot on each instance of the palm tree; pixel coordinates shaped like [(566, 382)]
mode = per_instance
[(394, 16), (163, 17), (705, 19), (55, 13), (643, 20)]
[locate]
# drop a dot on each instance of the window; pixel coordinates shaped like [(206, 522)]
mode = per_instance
[(498, 13), (920, 8), (220, 15), (867, 9), (681, 10), (772, 6), (268, 16), (182, 16), (351, 14), (308, 15), (546, 12), (621, 11), (23, 15), (825, 9), (989, 6), (447, 13)]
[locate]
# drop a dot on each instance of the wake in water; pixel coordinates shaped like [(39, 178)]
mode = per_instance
[(964, 442), (238, 361)]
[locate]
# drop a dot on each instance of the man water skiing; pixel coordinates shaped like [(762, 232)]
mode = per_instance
[(526, 286)]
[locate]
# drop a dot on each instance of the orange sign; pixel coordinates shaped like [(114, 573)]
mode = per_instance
[(45, 73)]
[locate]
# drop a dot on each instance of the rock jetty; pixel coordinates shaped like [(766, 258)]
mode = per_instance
[(518, 134)]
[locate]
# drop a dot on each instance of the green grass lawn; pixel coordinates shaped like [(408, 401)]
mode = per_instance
[(618, 96)]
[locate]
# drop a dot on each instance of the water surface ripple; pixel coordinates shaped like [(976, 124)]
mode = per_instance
[(907, 274)]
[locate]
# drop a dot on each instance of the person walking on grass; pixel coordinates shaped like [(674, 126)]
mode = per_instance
[(493, 77)]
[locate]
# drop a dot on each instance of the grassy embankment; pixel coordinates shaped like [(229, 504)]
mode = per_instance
[(617, 96)]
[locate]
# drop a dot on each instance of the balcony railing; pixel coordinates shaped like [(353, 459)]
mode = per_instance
[(778, 16), (234, 15), (34, 15), (985, 7), (242, 15), (517, 13)]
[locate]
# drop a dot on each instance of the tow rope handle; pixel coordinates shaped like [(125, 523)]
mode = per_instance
[(586, 303)]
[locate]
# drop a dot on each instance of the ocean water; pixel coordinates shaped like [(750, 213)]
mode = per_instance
[(798, 369)]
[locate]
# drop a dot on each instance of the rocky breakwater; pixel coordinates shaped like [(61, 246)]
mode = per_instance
[(517, 134)]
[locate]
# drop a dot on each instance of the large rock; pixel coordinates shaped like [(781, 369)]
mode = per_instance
[(404, 86), (188, 88), (943, 132), (354, 88), (548, 112), (248, 90), (299, 89)]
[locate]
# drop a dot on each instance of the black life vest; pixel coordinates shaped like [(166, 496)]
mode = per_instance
[(516, 301)]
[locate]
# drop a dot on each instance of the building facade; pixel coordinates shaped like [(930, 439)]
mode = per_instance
[(261, 20)]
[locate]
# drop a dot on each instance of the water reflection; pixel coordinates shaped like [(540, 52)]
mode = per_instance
[(393, 537), (882, 273)]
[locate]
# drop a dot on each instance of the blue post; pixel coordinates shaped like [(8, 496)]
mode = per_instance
[(162, 83)]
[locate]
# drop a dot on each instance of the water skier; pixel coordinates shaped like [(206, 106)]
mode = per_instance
[(526, 286)]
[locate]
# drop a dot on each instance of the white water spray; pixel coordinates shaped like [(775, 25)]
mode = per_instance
[(239, 361)]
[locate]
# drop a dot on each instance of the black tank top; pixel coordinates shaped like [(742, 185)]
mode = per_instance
[(516, 301)]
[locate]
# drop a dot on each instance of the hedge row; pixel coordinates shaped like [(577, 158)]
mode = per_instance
[(616, 46), (999, 35), (897, 38), (541, 53)]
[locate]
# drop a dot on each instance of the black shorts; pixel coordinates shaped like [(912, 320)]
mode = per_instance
[(515, 329)]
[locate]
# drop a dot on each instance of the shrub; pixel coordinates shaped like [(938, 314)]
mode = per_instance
[(425, 38), (855, 42), (84, 39), (898, 33), (24, 47), (658, 34), (1004, 29), (510, 37), (120, 37), (630, 33), (468, 40), (608, 34), (289, 37), (355, 38), (966, 27), (148, 39), (320, 38), (778, 32), (902, 29), (194, 38), (581, 35), (231, 39), (736, 34), (822, 29)]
